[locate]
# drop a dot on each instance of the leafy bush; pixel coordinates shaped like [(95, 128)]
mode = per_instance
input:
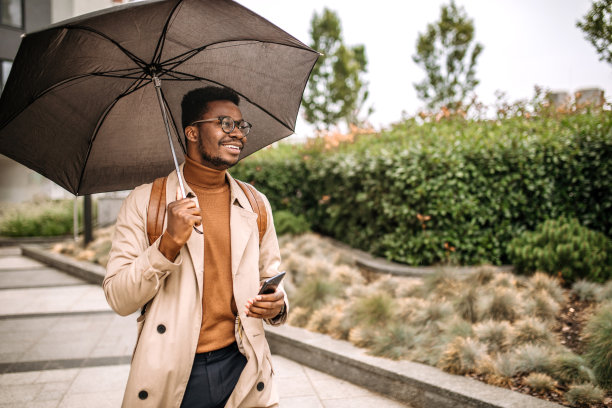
[(563, 247), (448, 191), (286, 222), (598, 339), (38, 219)]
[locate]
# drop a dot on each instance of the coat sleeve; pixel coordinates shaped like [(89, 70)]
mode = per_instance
[(135, 270), (269, 261)]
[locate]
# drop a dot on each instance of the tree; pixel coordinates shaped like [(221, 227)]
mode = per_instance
[(597, 25), (446, 53), (336, 90)]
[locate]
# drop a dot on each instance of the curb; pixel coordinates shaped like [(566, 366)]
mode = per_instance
[(380, 265), (87, 271), (416, 384)]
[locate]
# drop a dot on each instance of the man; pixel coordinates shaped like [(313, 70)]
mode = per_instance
[(201, 341)]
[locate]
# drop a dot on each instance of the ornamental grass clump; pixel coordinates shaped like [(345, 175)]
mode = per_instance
[(540, 382), (462, 356), (376, 309), (598, 344), (570, 368), (532, 331), (497, 336), (541, 282), (586, 290), (500, 304), (394, 342), (532, 358), (584, 395), (541, 305)]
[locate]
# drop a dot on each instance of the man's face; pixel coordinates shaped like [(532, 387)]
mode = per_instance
[(215, 148)]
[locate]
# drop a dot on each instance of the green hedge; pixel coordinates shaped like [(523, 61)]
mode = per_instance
[(481, 183)]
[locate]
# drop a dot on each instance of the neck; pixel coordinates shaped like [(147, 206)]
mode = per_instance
[(202, 176)]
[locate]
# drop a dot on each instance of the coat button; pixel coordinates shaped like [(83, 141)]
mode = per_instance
[(260, 386), (143, 395), (161, 329)]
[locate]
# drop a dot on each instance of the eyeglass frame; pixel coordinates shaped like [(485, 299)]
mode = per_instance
[(221, 118)]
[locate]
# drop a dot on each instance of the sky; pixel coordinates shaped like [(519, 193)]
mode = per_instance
[(526, 43)]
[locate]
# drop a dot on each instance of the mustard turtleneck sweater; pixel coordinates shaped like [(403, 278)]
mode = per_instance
[(218, 305)]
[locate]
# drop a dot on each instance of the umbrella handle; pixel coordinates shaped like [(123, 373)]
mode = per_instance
[(157, 84)]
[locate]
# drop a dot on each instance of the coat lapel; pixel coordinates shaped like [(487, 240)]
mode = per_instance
[(195, 244)]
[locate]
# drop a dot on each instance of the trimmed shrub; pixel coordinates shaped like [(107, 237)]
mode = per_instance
[(563, 247), (286, 222), (454, 190), (39, 219), (598, 344)]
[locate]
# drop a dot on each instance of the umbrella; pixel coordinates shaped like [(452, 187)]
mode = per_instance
[(82, 102)]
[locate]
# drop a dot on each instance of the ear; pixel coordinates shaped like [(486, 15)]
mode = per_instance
[(191, 133)]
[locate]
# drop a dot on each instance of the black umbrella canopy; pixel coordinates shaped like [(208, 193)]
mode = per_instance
[(80, 107)]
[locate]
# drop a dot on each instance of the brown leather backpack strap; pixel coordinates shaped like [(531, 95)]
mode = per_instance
[(157, 210), (258, 205)]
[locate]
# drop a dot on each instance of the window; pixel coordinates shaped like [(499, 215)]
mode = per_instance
[(11, 13), (5, 68)]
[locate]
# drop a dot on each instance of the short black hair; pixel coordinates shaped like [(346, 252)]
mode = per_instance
[(195, 102)]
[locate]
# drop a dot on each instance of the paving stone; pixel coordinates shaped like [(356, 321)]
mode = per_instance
[(19, 393), (10, 251), (301, 402), (95, 379), (17, 302), (362, 402), (294, 387), (92, 400), (36, 278), (19, 262)]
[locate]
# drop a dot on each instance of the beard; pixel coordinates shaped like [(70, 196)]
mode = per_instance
[(215, 161)]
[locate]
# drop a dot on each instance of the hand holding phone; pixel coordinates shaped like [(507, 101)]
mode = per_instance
[(270, 284)]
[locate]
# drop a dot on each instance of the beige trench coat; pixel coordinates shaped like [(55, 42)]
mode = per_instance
[(164, 352)]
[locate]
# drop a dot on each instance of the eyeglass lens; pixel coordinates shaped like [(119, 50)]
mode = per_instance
[(228, 124)]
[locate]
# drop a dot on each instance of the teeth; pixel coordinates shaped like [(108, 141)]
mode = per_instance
[(232, 147)]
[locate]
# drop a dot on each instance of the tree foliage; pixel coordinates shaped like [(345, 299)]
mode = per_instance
[(448, 55), (597, 25), (336, 90)]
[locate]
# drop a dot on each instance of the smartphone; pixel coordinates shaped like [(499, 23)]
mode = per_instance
[(270, 284)]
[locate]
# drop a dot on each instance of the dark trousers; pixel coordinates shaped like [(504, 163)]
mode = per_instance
[(213, 378)]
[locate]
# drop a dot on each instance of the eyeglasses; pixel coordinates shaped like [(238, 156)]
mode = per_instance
[(228, 124)]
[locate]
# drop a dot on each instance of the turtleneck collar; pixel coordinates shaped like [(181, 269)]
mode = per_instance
[(202, 176)]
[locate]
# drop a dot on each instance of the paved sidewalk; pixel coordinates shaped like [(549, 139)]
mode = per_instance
[(62, 346)]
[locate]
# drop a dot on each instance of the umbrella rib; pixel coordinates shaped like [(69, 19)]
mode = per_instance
[(63, 82), (131, 56), (181, 58), (162, 38), (194, 77), (101, 121)]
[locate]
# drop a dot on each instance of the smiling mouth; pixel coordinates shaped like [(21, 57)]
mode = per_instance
[(233, 147)]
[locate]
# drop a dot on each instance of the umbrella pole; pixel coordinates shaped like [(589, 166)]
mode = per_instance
[(157, 83)]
